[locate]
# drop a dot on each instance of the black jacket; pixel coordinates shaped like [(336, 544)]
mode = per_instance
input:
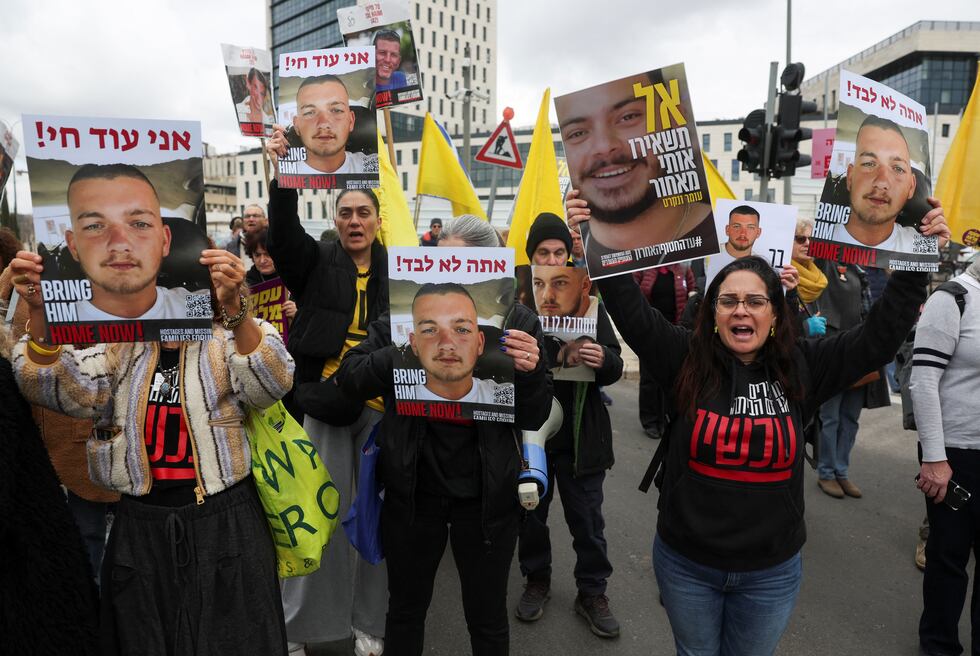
[(322, 279), (366, 372), (592, 451), (732, 495)]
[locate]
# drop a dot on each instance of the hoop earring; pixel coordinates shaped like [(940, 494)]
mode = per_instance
[(716, 328), (772, 331)]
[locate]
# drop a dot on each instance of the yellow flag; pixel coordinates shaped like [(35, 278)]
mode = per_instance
[(717, 187), (442, 175), (539, 191), (397, 227), (957, 187)]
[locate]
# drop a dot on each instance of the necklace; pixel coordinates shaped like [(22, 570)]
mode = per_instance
[(169, 380)]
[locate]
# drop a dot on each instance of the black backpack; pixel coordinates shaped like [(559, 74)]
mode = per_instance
[(903, 359)]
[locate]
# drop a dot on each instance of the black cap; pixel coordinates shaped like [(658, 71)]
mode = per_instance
[(435, 222), (547, 226)]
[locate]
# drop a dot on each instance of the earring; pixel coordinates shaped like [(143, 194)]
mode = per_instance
[(716, 328), (772, 331)]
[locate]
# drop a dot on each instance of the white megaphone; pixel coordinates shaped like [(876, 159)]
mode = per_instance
[(532, 484)]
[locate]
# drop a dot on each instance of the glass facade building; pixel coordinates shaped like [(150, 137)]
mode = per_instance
[(297, 25), (931, 78)]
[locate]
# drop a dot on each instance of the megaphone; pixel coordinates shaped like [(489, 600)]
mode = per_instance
[(532, 484)]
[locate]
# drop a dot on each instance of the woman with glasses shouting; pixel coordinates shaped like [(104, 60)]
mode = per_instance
[(741, 386)]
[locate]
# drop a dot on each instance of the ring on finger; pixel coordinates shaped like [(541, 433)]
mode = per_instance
[(527, 355), (31, 289)]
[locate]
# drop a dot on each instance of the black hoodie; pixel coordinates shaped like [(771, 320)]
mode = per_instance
[(732, 496)]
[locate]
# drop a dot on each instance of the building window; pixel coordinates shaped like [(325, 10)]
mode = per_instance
[(404, 181), (945, 129), (445, 85), (440, 109), (433, 78), (430, 15), (477, 9), (440, 19), (421, 32), (452, 23), (445, 42), (474, 30), (706, 142), (488, 14), (748, 194), (228, 168), (484, 112), (398, 157), (433, 39), (714, 163), (416, 12), (452, 66), (736, 167), (247, 193), (415, 155), (440, 63), (309, 209), (241, 168), (833, 99), (463, 23), (478, 52), (452, 110), (242, 210), (484, 32), (430, 59), (484, 75), (258, 186), (728, 142), (255, 167)]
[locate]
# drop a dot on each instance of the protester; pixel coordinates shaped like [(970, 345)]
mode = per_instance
[(945, 369), (253, 220), (812, 279), (340, 287), (578, 456), (431, 237), (742, 387), (234, 243), (451, 481), (48, 601), (264, 268), (190, 565)]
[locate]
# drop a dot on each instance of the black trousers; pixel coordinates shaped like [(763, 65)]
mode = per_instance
[(413, 550), (953, 534), (581, 499), (194, 580), (651, 401)]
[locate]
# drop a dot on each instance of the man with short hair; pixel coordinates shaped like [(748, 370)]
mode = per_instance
[(742, 231), (119, 240), (387, 59), (324, 122), (448, 341), (234, 244), (581, 451), (431, 238)]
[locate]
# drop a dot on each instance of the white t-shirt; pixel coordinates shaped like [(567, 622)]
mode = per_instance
[(715, 263), (354, 163), (904, 239), (170, 304), (244, 110), (483, 391)]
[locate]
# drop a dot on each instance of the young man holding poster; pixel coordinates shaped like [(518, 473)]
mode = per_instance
[(578, 457)]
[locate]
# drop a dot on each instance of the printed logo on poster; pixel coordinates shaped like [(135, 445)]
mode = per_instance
[(448, 307), (326, 97), (386, 26), (875, 194), (634, 155), (747, 228), (116, 204), (249, 73), (501, 148)]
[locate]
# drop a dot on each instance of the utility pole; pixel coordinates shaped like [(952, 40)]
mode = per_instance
[(467, 95), (788, 180), (770, 119)]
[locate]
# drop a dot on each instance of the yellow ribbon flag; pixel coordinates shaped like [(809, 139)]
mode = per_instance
[(397, 227), (539, 191), (442, 175), (957, 187), (717, 187)]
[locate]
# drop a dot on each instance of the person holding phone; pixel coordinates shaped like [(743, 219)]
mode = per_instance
[(945, 366)]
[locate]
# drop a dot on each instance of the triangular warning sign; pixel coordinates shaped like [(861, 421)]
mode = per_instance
[(501, 148)]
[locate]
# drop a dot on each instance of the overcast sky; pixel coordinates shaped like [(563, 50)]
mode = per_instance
[(161, 58)]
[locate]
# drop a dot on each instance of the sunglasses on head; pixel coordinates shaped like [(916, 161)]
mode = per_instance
[(801, 239)]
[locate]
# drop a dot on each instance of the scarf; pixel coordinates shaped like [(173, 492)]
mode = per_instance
[(812, 281)]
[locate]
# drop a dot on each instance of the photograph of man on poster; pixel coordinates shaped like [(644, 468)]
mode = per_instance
[(563, 291), (119, 240), (323, 124), (256, 107), (388, 58), (448, 341)]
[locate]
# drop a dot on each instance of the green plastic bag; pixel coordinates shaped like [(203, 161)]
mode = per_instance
[(300, 500)]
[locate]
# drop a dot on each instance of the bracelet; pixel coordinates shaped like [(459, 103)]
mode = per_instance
[(230, 323), (27, 329), (40, 350)]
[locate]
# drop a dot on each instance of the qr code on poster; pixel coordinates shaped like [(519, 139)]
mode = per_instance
[(198, 306), (922, 245), (504, 395)]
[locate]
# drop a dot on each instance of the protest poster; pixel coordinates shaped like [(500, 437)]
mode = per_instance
[(8, 151), (752, 228), (249, 73), (326, 97), (266, 300), (634, 155), (875, 194), (822, 152), (116, 203), (562, 298), (446, 334), (386, 27)]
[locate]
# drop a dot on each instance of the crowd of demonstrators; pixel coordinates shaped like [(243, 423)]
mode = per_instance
[(719, 515), (451, 482), (190, 564), (577, 456), (431, 236), (945, 366), (253, 220), (340, 287)]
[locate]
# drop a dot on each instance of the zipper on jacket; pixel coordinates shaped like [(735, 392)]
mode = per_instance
[(199, 490), (141, 411)]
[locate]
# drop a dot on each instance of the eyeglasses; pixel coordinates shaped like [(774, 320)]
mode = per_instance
[(752, 304), (801, 239)]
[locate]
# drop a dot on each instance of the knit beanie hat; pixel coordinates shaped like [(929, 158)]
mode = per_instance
[(547, 226)]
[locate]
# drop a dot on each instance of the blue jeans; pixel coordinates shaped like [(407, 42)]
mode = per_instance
[(839, 419), (717, 613), (90, 517)]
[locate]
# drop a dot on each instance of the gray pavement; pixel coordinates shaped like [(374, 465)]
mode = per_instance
[(861, 591)]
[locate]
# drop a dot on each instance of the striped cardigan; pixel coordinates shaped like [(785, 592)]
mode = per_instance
[(111, 384)]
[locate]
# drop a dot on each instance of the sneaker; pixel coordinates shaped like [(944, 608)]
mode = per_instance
[(531, 606), (596, 610), (831, 487), (849, 488), (920, 555), (367, 645)]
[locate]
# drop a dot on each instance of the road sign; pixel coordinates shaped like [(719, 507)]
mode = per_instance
[(501, 148)]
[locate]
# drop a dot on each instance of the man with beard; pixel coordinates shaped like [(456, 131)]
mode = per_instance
[(324, 122), (880, 181), (742, 231), (119, 239), (596, 127)]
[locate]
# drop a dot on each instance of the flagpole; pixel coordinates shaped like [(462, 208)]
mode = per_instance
[(265, 162), (418, 208), (391, 139), (493, 193)]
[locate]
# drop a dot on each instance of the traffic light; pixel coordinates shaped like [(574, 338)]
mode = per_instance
[(787, 134), (753, 133)]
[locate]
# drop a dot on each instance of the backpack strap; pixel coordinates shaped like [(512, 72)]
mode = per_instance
[(656, 464), (958, 291)]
